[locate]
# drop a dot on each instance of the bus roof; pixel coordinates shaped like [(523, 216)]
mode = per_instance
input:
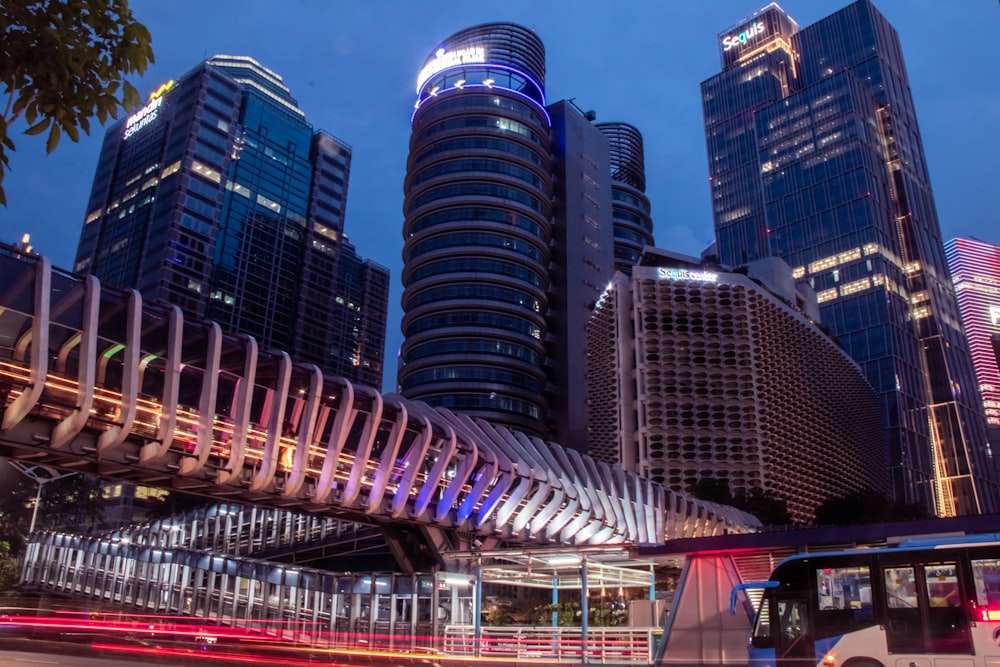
[(912, 544)]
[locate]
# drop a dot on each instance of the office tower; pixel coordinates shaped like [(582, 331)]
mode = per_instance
[(582, 263), (975, 268), (633, 227), (707, 373), (815, 157), (218, 196), (508, 235)]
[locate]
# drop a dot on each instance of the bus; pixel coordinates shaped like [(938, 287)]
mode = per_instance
[(930, 602)]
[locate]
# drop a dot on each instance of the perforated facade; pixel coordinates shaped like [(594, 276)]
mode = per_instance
[(731, 381)]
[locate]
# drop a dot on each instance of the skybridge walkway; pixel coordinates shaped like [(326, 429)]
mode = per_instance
[(96, 380)]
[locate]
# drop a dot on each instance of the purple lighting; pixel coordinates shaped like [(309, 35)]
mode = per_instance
[(487, 66), (468, 86), (490, 66)]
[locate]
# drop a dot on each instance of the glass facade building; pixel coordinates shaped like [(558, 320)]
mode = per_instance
[(218, 196), (815, 157), (975, 269), (478, 224), (633, 226), (508, 235)]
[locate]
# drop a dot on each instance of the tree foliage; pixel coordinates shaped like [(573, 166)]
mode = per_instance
[(771, 511), (866, 507), (63, 62)]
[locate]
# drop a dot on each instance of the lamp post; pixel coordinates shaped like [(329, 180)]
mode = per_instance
[(40, 475)]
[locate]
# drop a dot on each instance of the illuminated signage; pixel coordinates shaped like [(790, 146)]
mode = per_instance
[(445, 59), (143, 117), (739, 40), (162, 90), (684, 274), (149, 112)]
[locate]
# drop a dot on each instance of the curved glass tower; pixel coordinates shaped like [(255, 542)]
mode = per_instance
[(477, 229), (633, 226)]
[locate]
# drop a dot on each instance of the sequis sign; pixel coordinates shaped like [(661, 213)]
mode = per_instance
[(685, 274), (751, 31)]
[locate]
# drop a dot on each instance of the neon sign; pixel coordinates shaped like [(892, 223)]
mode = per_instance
[(149, 112), (739, 40), (143, 117), (684, 274), (162, 90), (445, 59)]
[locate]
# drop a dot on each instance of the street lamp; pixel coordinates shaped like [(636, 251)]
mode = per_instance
[(41, 475)]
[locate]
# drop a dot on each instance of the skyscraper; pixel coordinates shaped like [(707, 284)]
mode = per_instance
[(218, 196), (509, 235), (815, 157), (975, 268), (709, 374), (633, 227)]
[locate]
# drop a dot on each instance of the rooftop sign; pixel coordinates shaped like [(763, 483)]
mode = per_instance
[(750, 31), (148, 113), (445, 59), (143, 116), (685, 274)]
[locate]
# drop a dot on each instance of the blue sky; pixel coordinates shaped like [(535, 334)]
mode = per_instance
[(352, 66)]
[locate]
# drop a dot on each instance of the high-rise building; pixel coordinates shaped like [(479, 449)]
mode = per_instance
[(815, 156), (704, 373), (633, 227), (218, 196), (975, 268), (509, 234)]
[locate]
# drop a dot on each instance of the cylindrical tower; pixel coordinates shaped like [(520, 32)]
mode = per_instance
[(478, 211), (633, 227)]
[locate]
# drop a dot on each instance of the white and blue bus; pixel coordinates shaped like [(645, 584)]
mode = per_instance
[(923, 603)]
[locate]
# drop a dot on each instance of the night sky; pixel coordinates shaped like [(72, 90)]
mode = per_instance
[(352, 67)]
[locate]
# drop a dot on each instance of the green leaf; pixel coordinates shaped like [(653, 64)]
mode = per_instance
[(53, 141), (70, 129), (130, 96), (39, 127)]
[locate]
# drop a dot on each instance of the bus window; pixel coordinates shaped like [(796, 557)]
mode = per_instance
[(900, 588), (986, 574), (942, 585), (844, 587), (844, 598)]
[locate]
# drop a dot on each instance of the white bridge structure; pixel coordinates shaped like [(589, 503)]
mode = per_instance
[(96, 380)]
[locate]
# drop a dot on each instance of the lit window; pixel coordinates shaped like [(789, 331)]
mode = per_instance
[(206, 172), (238, 188), (856, 286), (826, 295), (268, 203), (323, 230), (171, 169)]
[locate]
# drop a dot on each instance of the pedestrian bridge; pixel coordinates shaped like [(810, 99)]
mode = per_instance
[(96, 380)]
